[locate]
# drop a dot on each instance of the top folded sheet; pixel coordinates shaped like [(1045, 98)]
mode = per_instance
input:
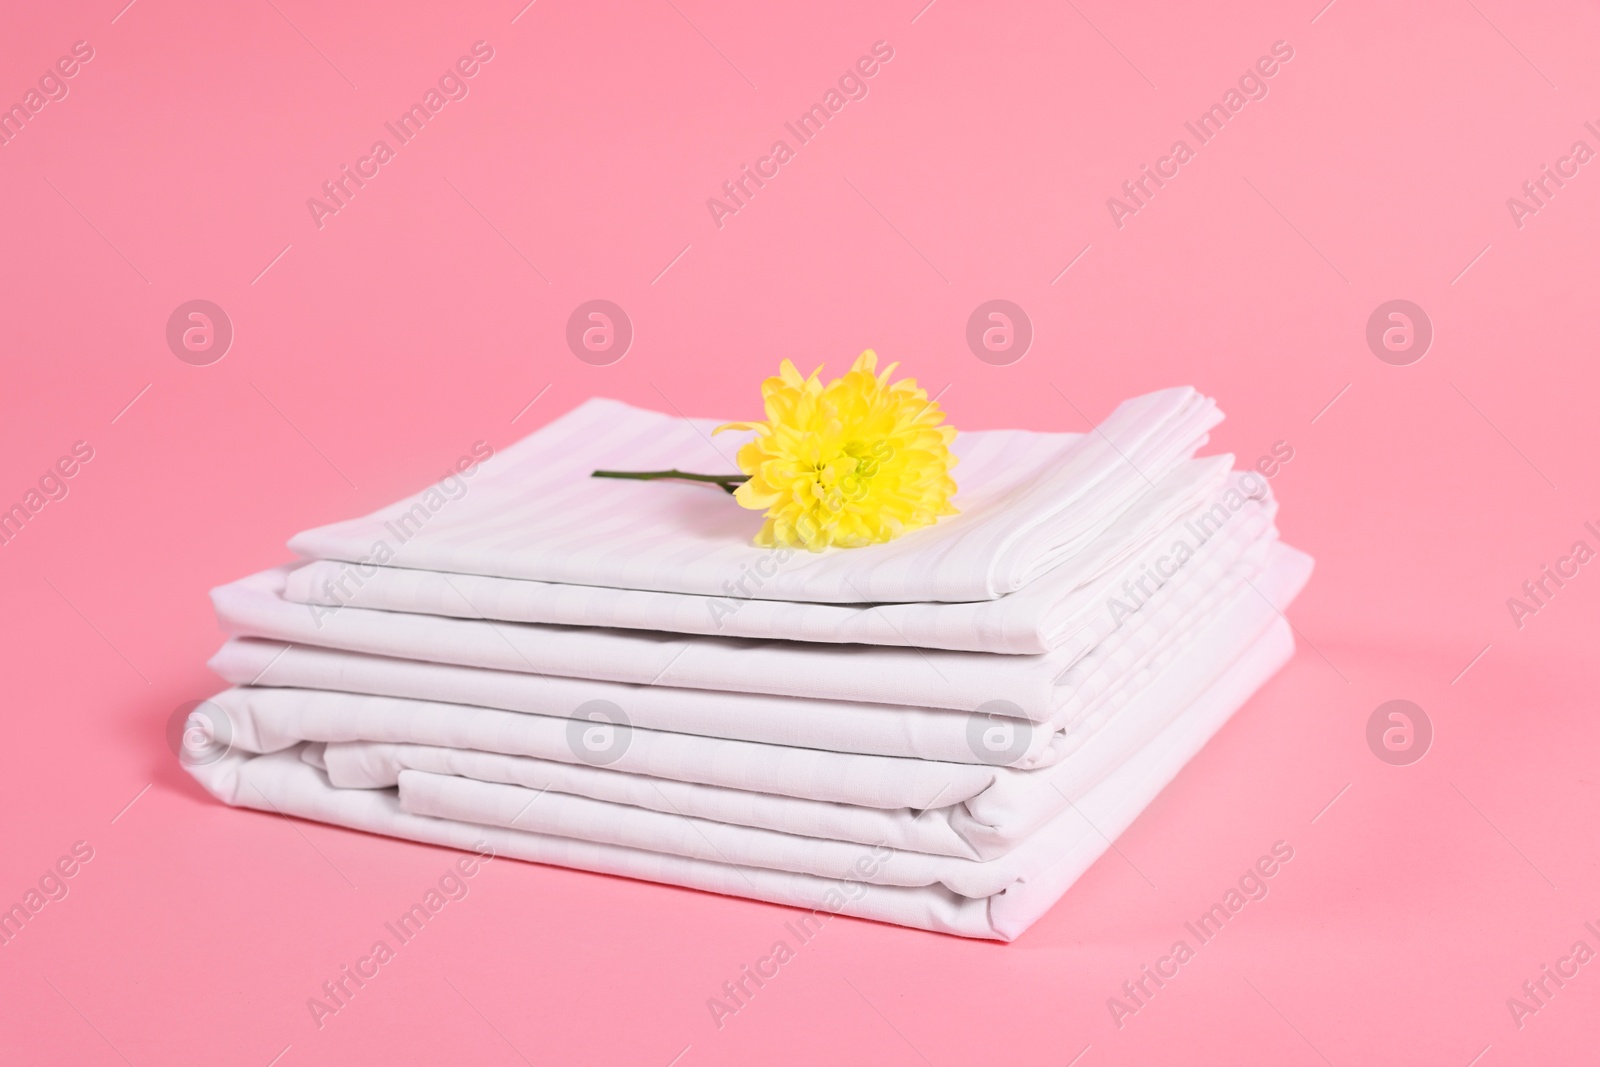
[(1028, 501)]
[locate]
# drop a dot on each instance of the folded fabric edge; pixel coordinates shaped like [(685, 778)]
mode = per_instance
[(1005, 916)]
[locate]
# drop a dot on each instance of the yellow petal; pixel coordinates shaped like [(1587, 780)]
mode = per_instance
[(857, 461)]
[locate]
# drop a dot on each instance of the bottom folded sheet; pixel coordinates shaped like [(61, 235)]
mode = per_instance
[(996, 899)]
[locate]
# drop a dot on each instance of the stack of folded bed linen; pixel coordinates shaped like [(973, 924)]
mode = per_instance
[(942, 731)]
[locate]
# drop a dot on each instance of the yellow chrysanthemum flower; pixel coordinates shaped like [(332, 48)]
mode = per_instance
[(855, 462)]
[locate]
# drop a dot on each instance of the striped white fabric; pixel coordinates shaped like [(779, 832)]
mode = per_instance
[(943, 731), (1188, 506), (1096, 684), (1029, 881), (928, 678), (973, 810), (1028, 502)]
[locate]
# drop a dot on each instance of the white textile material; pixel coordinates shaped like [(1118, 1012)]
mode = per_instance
[(1089, 688), (1026, 884), (1045, 614), (1028, 502), (943, 731), (976, 809), (930, 678)]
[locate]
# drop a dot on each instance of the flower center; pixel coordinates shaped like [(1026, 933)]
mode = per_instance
[(844, 479)]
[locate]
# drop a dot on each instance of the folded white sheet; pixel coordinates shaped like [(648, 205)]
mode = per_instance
[(838, 726), (680, 833), (284, 783), (1029, 686), (1188, 505), (978, 809), (989, 825), (1142, 643), (1028, 502)]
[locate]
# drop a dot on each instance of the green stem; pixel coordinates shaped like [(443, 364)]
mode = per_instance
[(728, 482)]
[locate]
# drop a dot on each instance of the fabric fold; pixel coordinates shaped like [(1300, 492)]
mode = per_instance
[(1027, 501), (988, 809), (942, 731), (284, 784), (931, 678), (1098, 683), (1035, 619)]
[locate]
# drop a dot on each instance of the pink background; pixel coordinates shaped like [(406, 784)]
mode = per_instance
[(428, 312)]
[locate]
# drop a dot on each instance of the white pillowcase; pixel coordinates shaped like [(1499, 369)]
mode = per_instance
[(1028, 502), (1040, 616)]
